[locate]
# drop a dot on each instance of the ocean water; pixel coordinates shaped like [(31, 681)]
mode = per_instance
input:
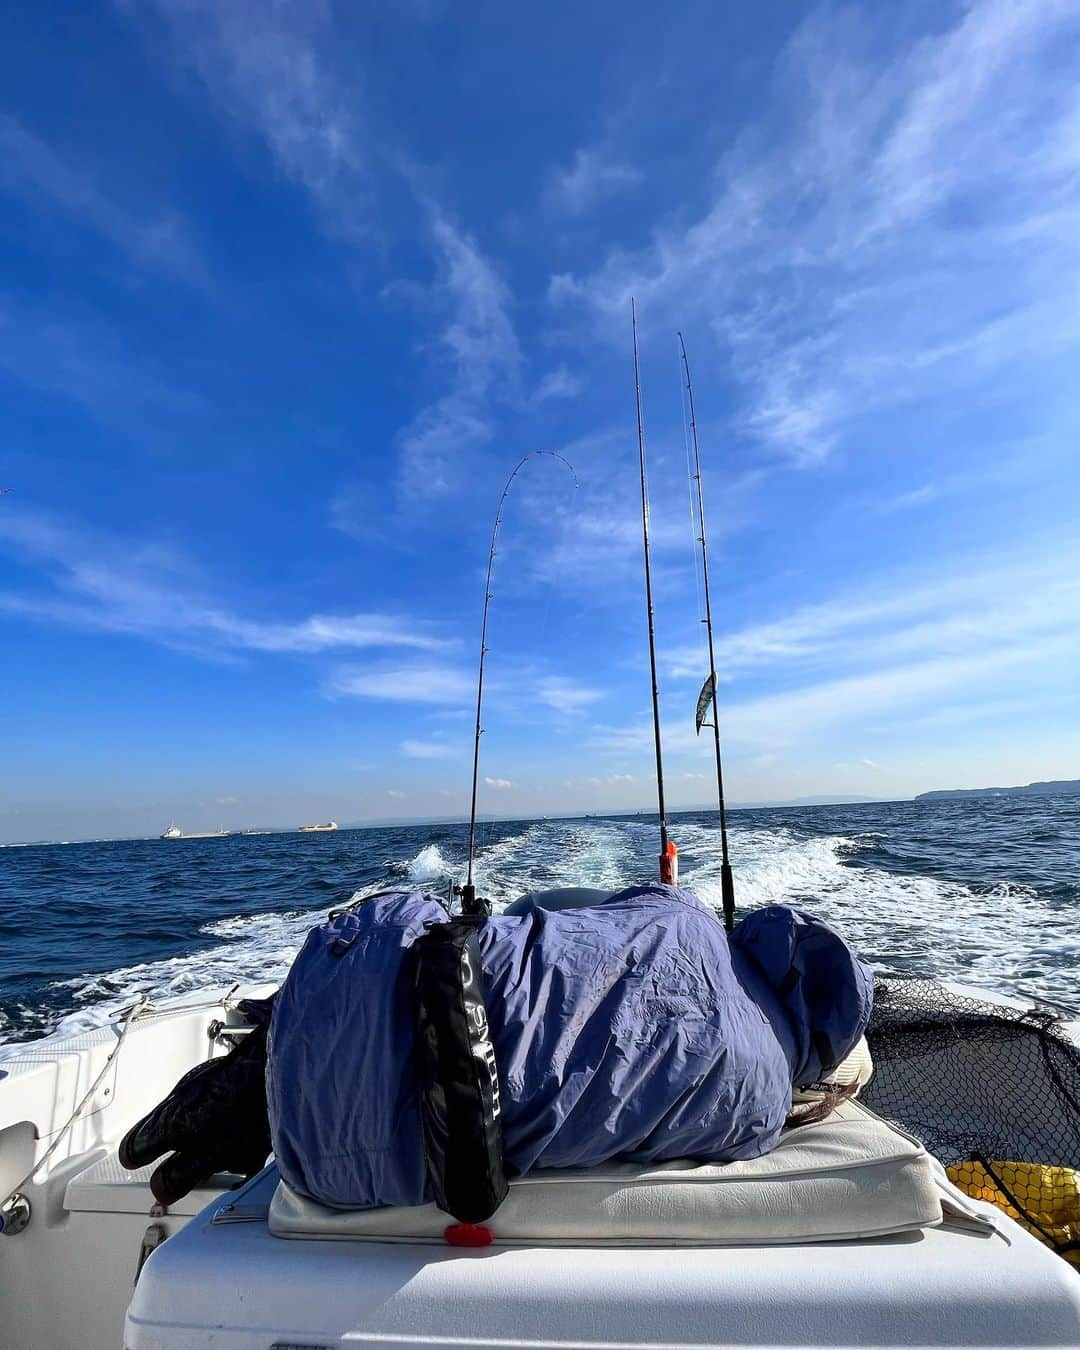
[(986, 891)]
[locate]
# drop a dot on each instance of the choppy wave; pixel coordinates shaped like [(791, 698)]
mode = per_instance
[(426, 865), (258, 949), (994, 929)]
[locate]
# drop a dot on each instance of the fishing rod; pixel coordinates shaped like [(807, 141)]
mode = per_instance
[(669, 865), (727, 883), (469, 902)]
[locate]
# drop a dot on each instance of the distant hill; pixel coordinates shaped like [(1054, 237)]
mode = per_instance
[(1058, 787), (847, 799)]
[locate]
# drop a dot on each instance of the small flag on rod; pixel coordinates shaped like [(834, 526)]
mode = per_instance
[(703, 704)]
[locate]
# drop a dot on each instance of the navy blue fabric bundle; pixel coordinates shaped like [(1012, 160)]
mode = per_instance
[(636, 1028)]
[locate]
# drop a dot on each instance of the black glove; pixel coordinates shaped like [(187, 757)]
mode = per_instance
[(214, 1119)]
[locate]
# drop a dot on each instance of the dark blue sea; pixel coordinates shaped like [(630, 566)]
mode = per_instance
[(985, 891)]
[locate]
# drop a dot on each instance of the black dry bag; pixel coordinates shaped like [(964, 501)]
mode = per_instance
[(457, 1075)]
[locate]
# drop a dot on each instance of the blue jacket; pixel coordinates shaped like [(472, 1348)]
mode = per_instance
[(634, 1028)]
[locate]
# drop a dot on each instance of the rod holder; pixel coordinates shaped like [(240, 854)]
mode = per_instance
[(471, 903), (14, 1214)]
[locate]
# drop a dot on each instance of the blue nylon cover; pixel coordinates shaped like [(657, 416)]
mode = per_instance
[(632, 1028)]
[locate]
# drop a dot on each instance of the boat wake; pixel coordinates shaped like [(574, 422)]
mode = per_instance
[(427, 865), (1003, 935)]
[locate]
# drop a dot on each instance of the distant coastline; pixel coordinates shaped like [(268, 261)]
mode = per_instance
[(1065, 786), (410, 822), (1054, 788)]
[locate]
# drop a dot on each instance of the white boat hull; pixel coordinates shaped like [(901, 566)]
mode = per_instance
[(67, 1280), (235, 1286)]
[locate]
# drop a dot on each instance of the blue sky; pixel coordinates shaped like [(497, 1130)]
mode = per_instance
[(288, 289)]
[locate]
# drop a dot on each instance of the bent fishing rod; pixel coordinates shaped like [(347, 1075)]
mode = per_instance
[(708, 691), (669, 854), (469, 902)]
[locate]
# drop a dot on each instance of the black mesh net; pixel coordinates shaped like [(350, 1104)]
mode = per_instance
[(992, 1091)]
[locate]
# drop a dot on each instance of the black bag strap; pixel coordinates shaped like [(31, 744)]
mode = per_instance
[(457, 1075)]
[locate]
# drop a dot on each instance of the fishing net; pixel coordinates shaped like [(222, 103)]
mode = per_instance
[(992, 1091)]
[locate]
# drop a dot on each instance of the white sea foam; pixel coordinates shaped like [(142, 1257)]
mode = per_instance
[(549, 854), (258, 949), (1004, 936), (428, 864)]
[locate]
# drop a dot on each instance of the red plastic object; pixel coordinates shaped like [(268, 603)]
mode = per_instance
[(669, 865), (468, 1235)]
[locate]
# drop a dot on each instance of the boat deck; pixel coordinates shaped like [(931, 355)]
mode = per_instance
[(226, 1276)]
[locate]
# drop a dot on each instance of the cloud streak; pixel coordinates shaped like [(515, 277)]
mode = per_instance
[(38, 173), (985, 645), (82, 360), (272, 68), (895, 232), (425, 749), (991, 605), (278, 73), (480, 349), (567, 696), (142, 591), (593, 175), (419, 683)]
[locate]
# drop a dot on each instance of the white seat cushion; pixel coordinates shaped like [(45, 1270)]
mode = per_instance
[(849, 1176)]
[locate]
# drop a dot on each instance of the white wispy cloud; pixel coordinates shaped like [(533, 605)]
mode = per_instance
[(556, 384), (595, 537), (352, 510), (593, 175), (499, 784), (416, 683), (633, 740), (325, 632), (39, 173), (900, 695), (279, 73), (897, 656), (892, 228), (987, 604), (567, 696), (479, 336), (797, 717), (425, 749), (911, 648), (85, 360), (434, 447), (908, 501), (592, 538), (275, 70), (597, 780), (141, 590), (480, 348)]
